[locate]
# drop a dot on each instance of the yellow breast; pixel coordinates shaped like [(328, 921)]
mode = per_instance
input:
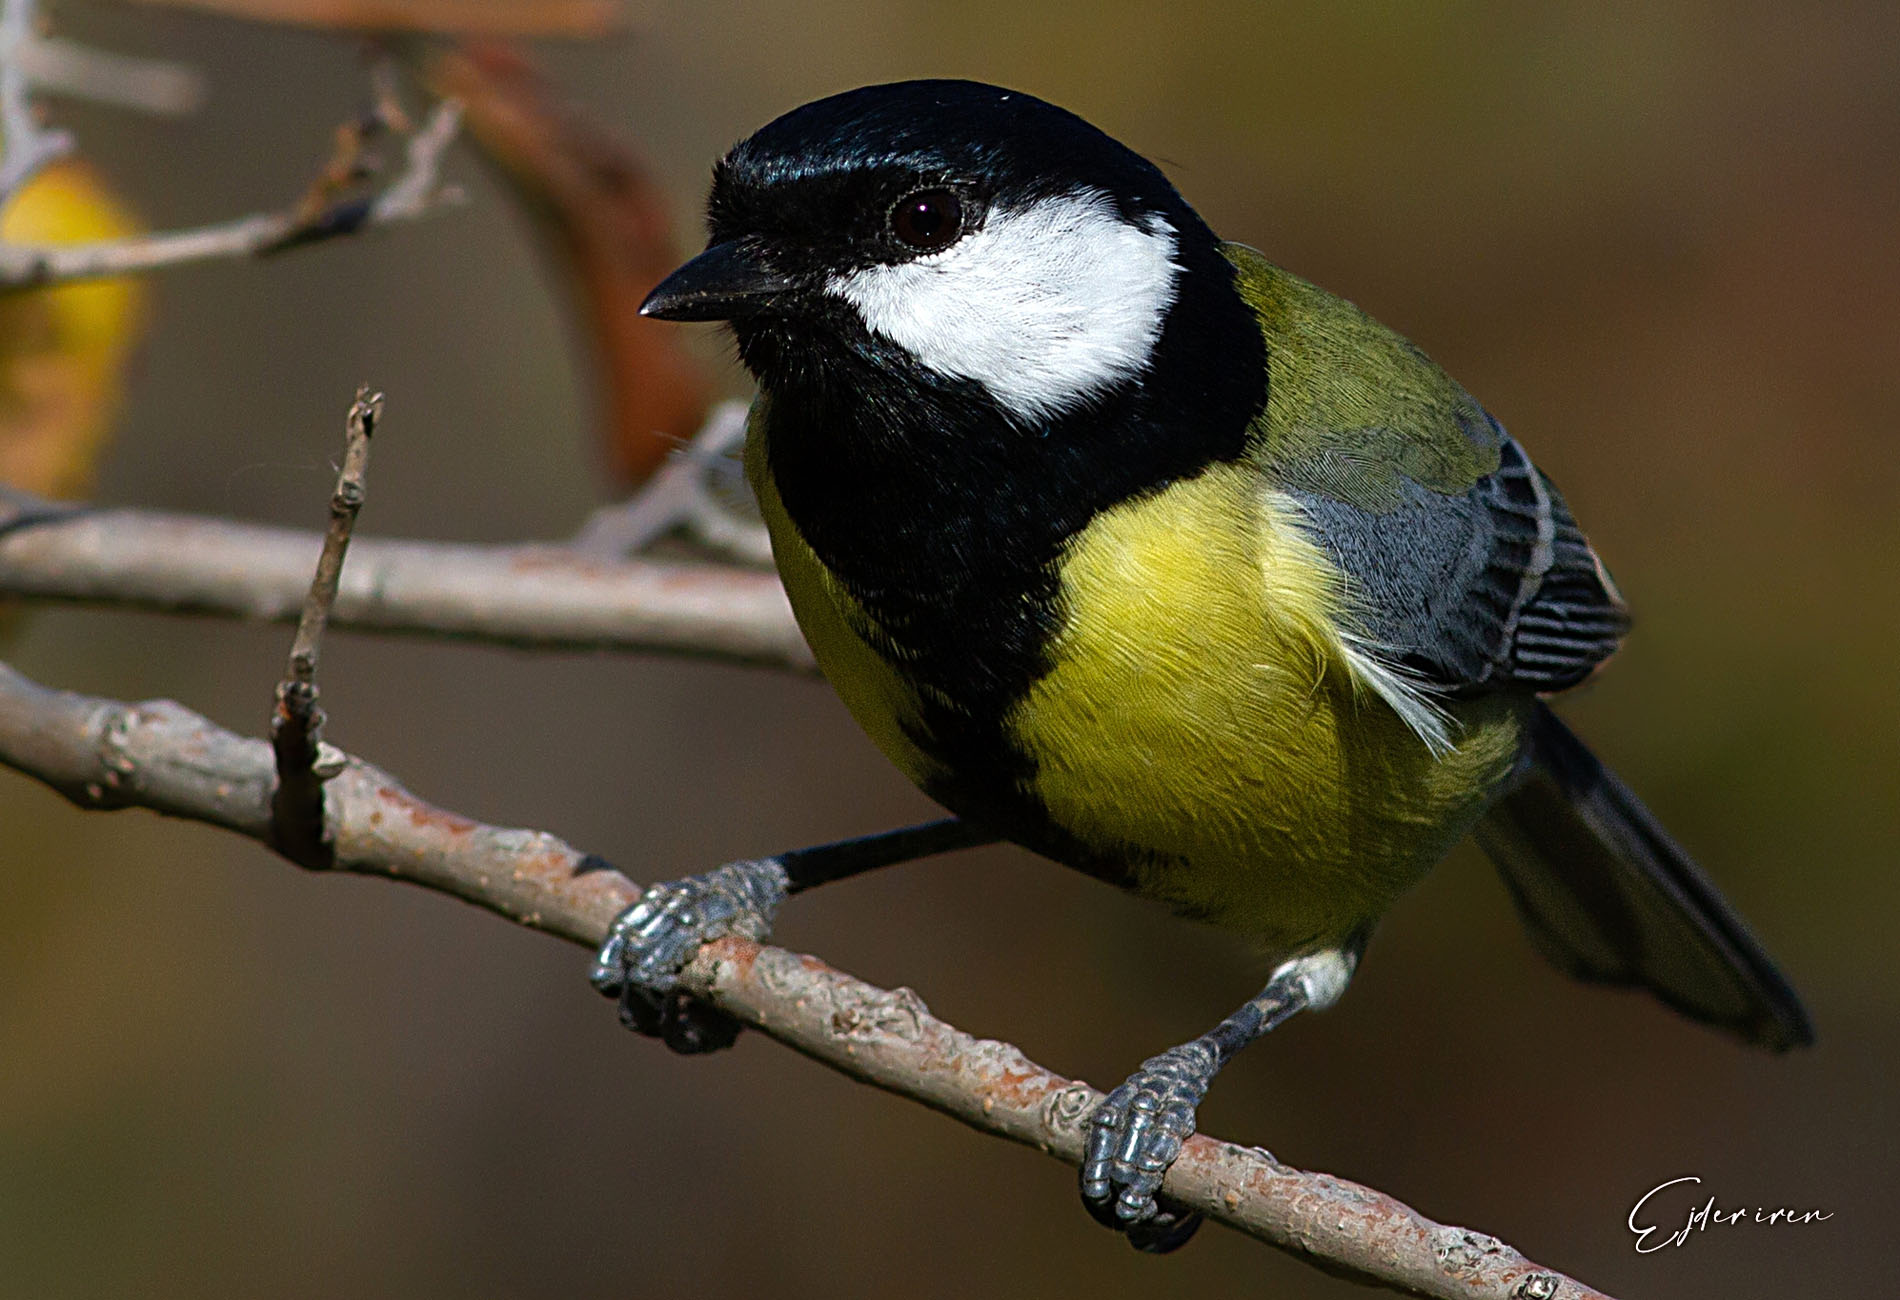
[(1199, 723), (1202, 719)]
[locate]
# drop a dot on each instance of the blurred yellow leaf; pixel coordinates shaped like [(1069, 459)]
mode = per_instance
[(63, 350)]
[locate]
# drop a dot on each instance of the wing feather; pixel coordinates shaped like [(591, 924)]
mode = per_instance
[(1464, 567)]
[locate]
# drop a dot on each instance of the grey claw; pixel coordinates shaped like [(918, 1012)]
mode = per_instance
[(1135, 1135), (650, 943)]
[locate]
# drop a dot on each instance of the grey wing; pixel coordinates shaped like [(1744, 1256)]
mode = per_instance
[(1487, 589)]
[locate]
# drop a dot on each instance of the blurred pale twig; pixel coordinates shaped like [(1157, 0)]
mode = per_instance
[(29, 146), (30, 60), (415, 192), (61, 67), (681, 497), (104, 754), (540, 596)]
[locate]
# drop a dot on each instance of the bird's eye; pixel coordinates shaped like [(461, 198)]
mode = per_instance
[(928, 221)]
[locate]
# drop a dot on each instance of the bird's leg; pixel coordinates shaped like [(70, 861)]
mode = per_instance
[(650, 943), (1138, 1130)]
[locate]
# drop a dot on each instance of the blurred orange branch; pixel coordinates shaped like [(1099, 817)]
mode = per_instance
[(473, 17), (609, 226), (102, 754)]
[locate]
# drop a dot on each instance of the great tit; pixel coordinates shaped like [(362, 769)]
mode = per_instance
[(1132, 548)]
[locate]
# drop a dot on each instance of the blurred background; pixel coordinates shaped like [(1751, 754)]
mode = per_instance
[(1658, 240)]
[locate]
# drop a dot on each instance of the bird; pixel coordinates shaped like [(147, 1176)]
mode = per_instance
[(1132, 548)]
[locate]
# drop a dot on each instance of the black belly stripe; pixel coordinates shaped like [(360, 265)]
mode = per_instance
[(945, 518)]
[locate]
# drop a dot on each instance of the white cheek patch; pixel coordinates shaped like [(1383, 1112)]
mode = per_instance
[(1042, 306)]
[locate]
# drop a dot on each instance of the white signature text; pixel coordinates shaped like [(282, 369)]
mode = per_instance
[(1651, 1236)]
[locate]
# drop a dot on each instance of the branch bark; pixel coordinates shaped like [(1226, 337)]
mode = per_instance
[(296, 731), (546, 597), (159, 755)]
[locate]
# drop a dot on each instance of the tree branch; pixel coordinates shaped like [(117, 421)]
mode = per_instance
[(144, 85), (296, 731), (29, 146), (159, 755), (546, 597), (680, 496), (414, 193)]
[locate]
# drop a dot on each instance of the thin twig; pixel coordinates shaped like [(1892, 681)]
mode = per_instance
[(354, 158), (529, 596), (29, 146), (296, 732), (159, 755), (415, 193), (420, 182), (57, 66), (681, 497)]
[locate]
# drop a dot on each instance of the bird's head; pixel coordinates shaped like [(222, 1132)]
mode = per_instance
[(933, 233)]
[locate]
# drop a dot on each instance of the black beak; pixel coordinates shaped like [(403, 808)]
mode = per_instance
[(725, 282)]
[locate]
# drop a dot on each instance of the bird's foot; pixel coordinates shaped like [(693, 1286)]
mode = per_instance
[(650, 943), (1134, 1135)]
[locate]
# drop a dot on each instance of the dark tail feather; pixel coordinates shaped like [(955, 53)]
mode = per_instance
[(1609, 897)]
